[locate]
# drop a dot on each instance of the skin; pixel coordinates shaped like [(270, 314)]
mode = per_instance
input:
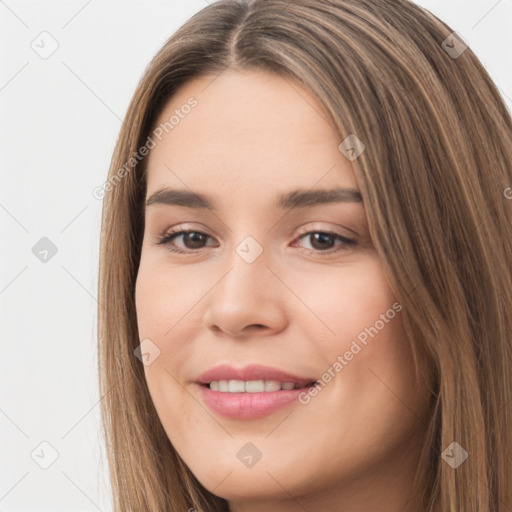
[(354, 446)]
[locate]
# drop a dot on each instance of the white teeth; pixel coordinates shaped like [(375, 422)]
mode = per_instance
[(236, 386), (250, 386), (272, 385), (254, 386)]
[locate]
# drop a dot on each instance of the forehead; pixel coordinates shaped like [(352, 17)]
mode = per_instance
[(247, 132)]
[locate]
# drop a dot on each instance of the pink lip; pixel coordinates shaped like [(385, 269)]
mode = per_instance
[(251, 372), (249, 405)]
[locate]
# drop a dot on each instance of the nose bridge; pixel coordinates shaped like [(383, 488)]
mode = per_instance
[(248, 269), (246, 294)]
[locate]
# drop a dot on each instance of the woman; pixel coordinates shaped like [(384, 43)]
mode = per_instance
[(247, 366)]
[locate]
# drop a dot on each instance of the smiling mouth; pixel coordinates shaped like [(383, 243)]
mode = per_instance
[(253, 386)]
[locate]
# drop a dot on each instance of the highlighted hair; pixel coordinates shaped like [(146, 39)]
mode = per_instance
[(435, 179)]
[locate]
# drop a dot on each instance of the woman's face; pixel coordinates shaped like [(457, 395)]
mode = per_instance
[(276, 287)]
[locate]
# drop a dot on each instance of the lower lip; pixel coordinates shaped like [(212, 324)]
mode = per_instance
[(248, 405)]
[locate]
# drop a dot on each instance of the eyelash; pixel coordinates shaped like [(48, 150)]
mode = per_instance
[(175, 232)]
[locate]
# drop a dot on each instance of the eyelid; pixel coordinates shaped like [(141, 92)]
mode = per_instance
[(187, 227), (306, 229)]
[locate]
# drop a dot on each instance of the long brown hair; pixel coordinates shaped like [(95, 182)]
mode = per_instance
[(436, 182)]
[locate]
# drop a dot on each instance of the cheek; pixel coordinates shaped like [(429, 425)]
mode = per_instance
[(376, 381), (164, 296), (366, 356), (164, 300), (161, 305), (345, 303)]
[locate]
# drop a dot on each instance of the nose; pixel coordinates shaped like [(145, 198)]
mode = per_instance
[(248, 300)]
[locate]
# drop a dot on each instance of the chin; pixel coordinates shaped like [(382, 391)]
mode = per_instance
[(247, 484), (228, 478)]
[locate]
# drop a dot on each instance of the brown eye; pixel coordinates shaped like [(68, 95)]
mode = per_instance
[(322, 242), (192, 240)]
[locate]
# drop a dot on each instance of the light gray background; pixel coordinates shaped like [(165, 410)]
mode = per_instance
[(60, 118)]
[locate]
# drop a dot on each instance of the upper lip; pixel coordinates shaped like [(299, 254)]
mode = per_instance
[(251, 372)]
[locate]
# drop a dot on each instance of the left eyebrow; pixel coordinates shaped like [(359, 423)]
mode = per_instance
[(294, 199), (308, 198)]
